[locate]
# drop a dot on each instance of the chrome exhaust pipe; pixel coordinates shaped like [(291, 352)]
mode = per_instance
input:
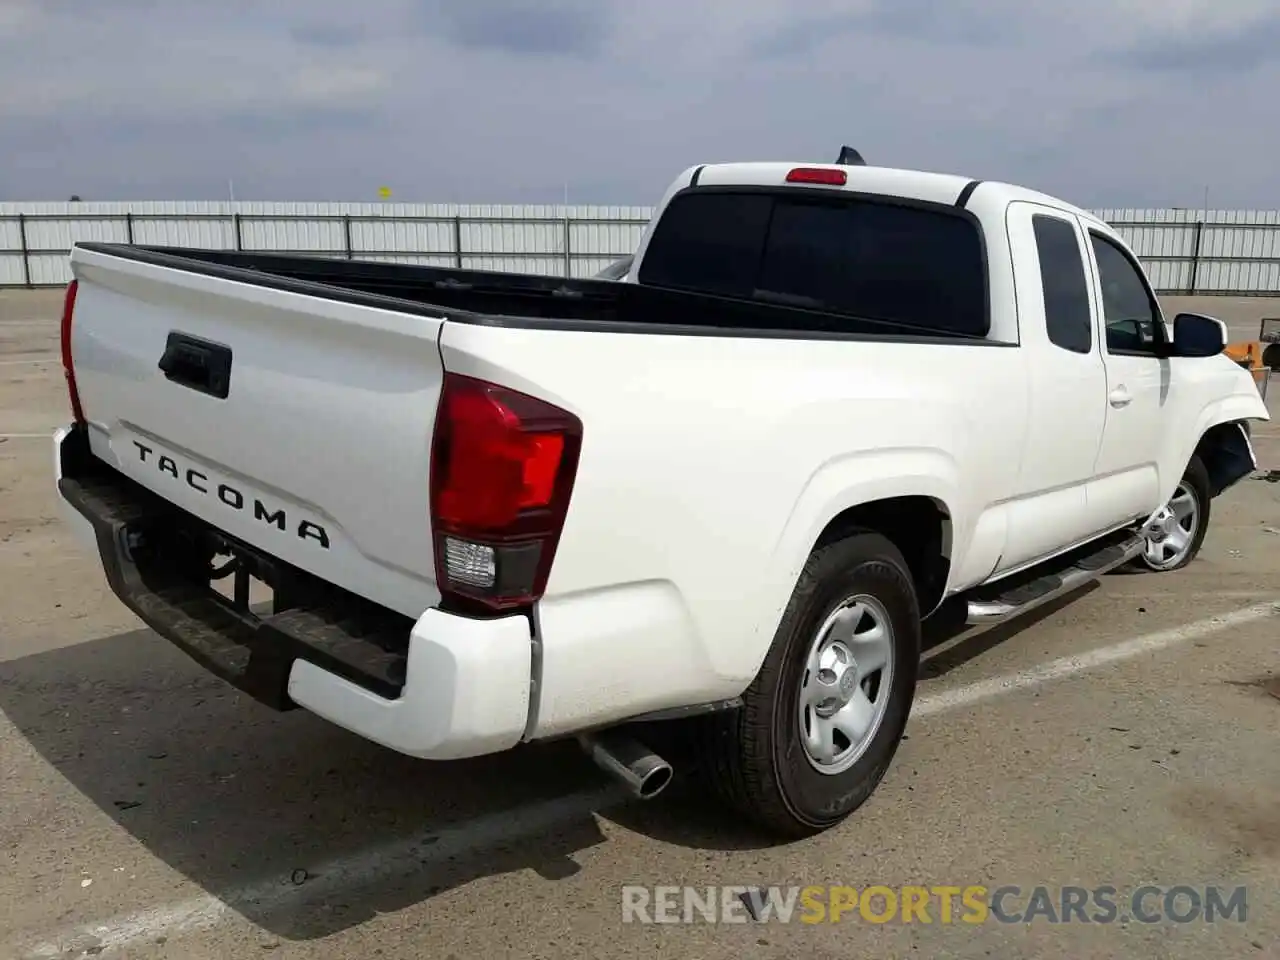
[(635, 766)]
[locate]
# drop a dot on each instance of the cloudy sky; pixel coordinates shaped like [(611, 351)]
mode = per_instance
[(1104, 102)]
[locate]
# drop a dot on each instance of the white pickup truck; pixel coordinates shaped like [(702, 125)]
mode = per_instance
[(722, 491)]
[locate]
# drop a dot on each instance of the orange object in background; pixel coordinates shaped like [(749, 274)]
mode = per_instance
[(1259, 356)]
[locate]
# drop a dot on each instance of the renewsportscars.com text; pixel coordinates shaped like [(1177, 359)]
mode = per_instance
[(969, 904)]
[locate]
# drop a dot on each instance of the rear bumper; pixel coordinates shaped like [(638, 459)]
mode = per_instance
[(443, 687)]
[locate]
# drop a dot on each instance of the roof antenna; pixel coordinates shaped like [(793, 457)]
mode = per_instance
[(850, 157)]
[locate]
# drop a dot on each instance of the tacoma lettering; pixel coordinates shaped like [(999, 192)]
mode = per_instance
[(233, 498)]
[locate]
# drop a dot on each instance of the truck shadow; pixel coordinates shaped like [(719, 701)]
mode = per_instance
[(684, 817), (243, 800), (948, 643), (237, 797)]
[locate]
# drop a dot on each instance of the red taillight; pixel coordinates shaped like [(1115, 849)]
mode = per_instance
[(819, 175), (502, 470), (68, 364)]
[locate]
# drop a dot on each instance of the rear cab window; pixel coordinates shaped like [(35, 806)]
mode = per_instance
[(917, 265)]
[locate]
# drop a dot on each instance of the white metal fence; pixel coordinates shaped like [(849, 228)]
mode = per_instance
[(1185, 251)]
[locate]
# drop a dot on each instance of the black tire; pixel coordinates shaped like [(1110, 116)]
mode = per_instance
[(1271, 356), (753, 756), (1196, 479)]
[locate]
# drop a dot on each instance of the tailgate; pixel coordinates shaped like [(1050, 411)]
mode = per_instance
[(314, 447)]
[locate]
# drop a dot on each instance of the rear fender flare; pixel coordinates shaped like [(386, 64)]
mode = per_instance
[(839, 485)]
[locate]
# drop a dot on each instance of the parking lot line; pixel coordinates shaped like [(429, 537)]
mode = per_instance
[(1089, 660), (468, 838)]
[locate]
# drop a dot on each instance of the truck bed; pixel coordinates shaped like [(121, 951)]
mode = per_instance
[(530, 300)]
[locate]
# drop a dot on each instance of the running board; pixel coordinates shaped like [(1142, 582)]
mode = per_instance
[(1004, 599)]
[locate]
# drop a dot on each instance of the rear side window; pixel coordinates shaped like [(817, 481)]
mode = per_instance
[(877, 261), (1066, 292)]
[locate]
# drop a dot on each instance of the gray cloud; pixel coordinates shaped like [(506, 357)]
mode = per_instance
[(1233, 51), (509, 101), (577, 27), (946, 21), (804, 35), (332, 35)]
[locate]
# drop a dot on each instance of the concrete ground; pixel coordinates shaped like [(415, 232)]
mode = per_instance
[(1124, 738)]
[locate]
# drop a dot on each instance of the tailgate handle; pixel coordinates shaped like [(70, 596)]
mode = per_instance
[(200, 365)]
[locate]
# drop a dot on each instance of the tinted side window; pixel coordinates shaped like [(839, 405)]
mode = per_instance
[(708, 242), (1130, 312), (871, 260), (1066, 291)]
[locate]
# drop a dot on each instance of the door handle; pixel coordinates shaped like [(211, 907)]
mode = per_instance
[(1119, 397)]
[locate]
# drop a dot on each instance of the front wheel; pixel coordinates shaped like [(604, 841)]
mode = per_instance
[(1174, 537), (822, 721)]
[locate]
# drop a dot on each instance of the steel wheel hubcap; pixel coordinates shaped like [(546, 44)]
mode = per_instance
[(844, 690), (1172, 530)]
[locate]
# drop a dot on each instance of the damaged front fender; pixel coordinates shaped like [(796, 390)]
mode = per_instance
[(1227, 454)]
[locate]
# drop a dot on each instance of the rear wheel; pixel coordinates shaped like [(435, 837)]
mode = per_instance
[(1177, 533), (822, 721)]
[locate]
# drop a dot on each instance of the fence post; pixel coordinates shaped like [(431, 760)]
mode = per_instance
[(1195, 258), (235, 225), (568, 256), (128, 227), (346, 233), (26, 251), (457, 241)]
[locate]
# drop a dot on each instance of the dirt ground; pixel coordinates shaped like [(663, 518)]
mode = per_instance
[(1125, 737)]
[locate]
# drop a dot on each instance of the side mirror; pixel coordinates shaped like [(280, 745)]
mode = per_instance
[(1195, 335)]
